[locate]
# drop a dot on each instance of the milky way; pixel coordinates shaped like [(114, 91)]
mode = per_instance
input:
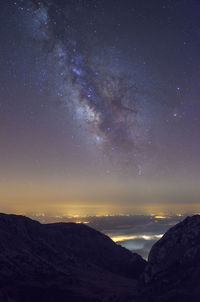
[(110, 96), (101, 87)]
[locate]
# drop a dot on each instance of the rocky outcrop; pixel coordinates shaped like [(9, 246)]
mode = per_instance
[(53, 262), (72, 262), (173, 269)]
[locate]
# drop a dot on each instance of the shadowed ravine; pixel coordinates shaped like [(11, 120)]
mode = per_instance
[(73, 262)]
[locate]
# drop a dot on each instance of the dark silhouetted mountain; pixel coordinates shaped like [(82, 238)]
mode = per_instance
[(173, 269), (63, 262), (75, 263)]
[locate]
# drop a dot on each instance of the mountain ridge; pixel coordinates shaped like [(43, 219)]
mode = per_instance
[(73, 262)]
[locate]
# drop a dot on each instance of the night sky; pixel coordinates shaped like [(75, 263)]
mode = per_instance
[(99, 104)]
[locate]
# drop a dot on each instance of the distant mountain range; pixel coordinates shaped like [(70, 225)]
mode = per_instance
[(75, 263)]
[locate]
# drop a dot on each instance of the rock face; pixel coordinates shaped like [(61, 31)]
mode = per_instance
[(72, 262), (173, 270), (63, 261)]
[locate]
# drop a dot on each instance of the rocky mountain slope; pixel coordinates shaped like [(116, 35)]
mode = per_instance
[(72, 262), (63, 261), (173, 269)]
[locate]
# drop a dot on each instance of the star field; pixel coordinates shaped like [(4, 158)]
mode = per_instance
[(99, 89)]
